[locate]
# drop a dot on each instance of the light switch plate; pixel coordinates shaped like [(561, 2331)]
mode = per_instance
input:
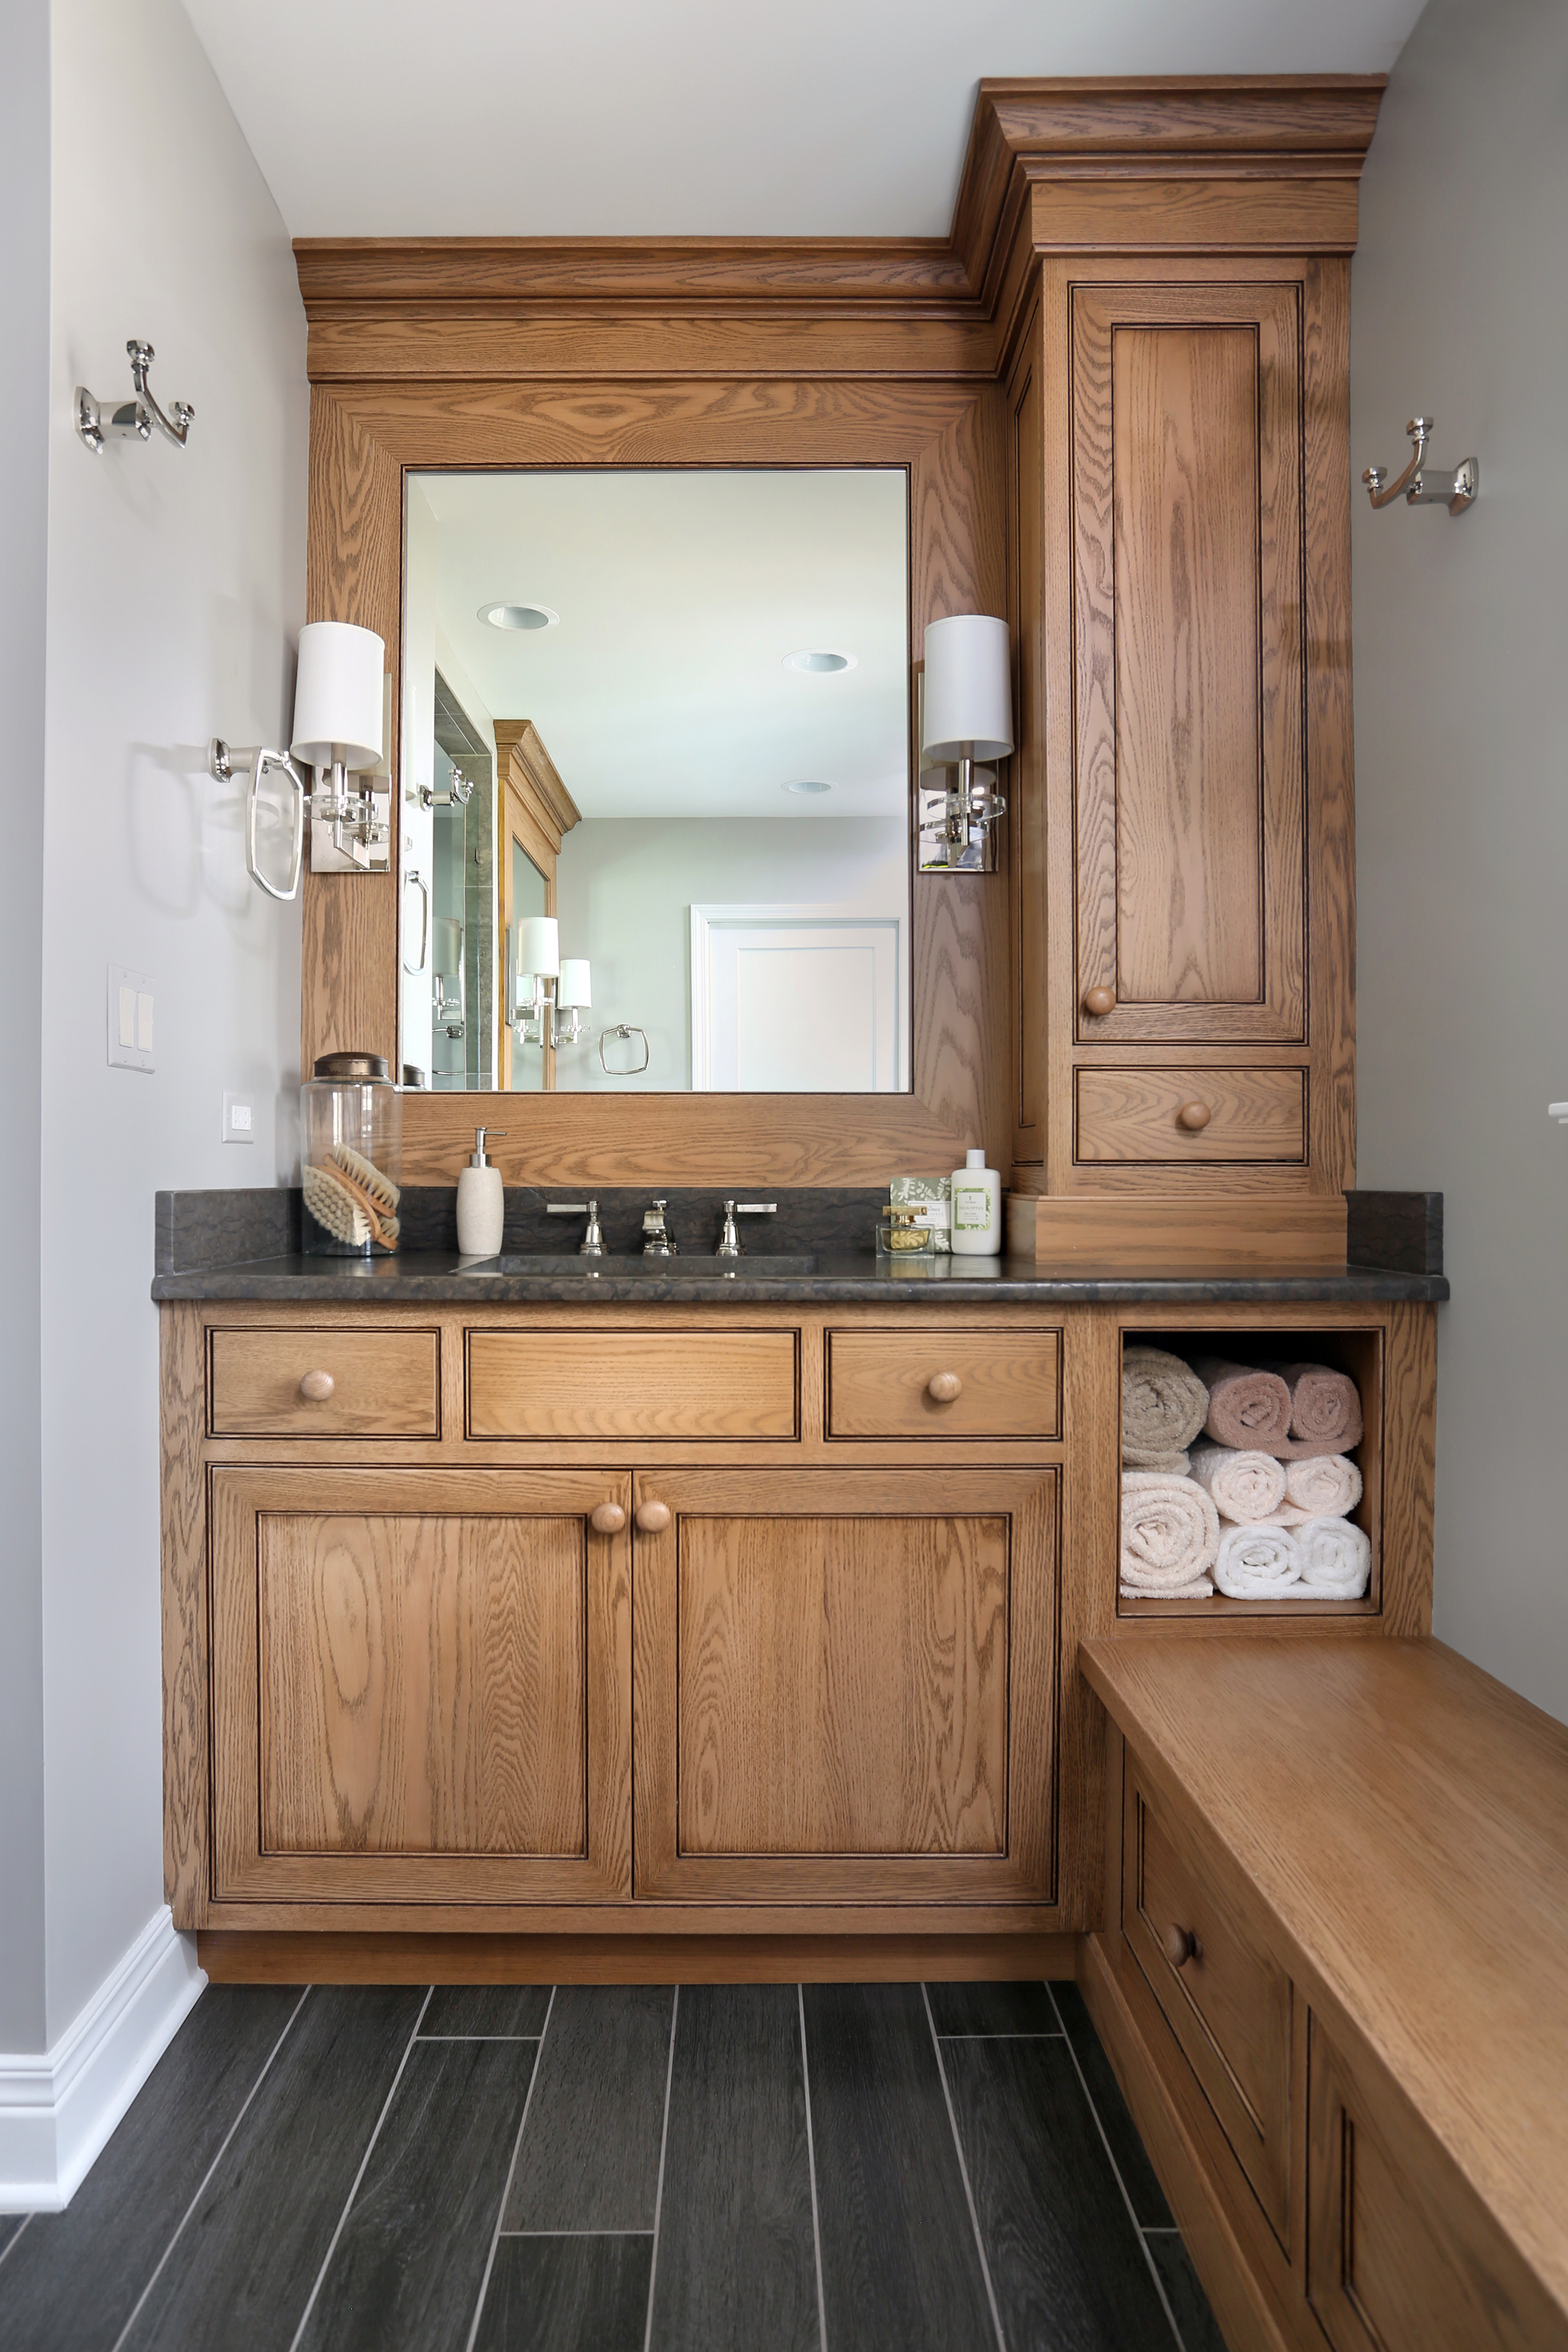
[(129, 1014), (238, 1120)]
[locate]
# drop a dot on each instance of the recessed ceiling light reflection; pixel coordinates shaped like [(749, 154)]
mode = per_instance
[(808, 785), (818, 661), (518, 617)]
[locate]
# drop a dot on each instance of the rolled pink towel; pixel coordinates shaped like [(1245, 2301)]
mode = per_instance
[(1248, 1410), (1323, 1487), (1325, 1409), (1247, 1487), (1170, 1534)]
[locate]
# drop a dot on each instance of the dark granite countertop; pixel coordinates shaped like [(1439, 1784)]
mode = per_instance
[(437, 1276)]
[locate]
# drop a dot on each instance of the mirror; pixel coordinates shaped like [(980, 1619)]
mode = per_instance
[(655, 804)]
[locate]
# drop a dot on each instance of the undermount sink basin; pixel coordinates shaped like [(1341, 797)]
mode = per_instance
[(691, 1265)]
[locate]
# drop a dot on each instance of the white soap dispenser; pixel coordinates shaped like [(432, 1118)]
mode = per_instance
[(976, 1209), (482, 1202)]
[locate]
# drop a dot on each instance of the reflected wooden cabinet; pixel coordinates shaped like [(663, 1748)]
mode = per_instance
[(421, 1685), (845, 1686)]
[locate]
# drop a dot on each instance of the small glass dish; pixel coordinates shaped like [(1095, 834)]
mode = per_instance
[(900, 1234)]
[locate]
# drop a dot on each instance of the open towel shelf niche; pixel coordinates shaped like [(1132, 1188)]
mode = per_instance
[(1361, 1354)]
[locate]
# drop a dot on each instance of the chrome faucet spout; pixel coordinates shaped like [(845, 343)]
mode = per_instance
[(657, 1240)]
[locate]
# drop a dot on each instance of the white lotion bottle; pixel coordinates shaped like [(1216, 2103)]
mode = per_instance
[(976, 1209), (482, 1202)]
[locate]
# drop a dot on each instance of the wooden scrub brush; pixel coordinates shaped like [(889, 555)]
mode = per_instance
[(338, 1211), (379, 1191)]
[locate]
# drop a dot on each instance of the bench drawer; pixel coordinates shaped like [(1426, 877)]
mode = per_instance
[(564, 1383), (296, 1381), (930, 1380)]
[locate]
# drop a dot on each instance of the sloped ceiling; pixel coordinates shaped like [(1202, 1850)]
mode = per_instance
[(696, 118)]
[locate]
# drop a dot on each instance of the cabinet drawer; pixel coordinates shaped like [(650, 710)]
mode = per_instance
[(595, 1384), (1131, 1116), (879, 1383), (1228, 2002), (1399, 2251), (296, 1382)]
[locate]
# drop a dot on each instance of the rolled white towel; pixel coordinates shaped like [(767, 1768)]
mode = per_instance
[(1327, 1487), (1256, 1563), (1170, 1534), (1247, 1488), (1336, 1560)]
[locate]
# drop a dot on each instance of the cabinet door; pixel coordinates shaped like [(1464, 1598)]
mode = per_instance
[(421, 1685), (846, 1684), (1188, 664)]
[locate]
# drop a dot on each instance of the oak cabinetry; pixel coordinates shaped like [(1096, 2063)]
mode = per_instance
[(571, 1383), (1199, 1113), (299, 1382), (931, 1381), (845, 1685)]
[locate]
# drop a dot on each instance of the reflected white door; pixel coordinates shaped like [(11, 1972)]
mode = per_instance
[(793, 1000)]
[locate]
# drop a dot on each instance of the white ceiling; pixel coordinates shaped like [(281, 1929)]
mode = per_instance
[(662, 691), (694, 118)]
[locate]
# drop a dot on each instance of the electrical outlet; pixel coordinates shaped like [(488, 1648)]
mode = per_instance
[(129, 1019), (238, 1124)]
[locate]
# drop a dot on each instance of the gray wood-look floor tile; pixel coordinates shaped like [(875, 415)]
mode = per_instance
[(1183, 2289), (900, 2266), (1066, 2262), (992, 2008), (11, 2226), (406, 2274), (736, 2265), (507, 2010), (245, 2263), (567, 2295), (1138, 2175), (589, 2159), (73, 2278)]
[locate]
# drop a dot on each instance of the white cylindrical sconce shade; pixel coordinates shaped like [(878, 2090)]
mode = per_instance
[(337, 696), (968, 691), (447, 936), (574, 989), (539, 946)]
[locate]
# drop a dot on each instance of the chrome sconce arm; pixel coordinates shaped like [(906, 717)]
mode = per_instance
[(1421, 485), (223, 765), (133, 419)]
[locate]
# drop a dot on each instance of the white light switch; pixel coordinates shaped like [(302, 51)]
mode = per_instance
[(237, 1125), (129, 1019)]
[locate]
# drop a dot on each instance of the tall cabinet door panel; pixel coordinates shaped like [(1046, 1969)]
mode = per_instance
[(846, 1684), (1190, 803), (421, 1687)]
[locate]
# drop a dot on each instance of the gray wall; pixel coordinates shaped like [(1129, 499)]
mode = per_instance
[(1460, 307), (23, 490)]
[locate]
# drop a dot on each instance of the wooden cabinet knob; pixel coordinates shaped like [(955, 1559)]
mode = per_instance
[(942, 1386), (317, 1387), (652, 1517), (1100, 1001), (608, 1518), (1194, 1116), (1180, 1946)]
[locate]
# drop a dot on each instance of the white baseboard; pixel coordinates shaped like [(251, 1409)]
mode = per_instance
[(57, 2110)]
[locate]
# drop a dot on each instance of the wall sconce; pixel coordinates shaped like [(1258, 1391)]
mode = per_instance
[(450, 1009), (339, 706), (1422, 485), (968, 719), (549, 984), (133, 419)]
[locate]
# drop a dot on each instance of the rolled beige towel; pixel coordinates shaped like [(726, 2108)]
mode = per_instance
[(1323, 1487), (1247, 1486), (1163, 1404), (1248, 1410), (1256, 1563), (1336, 1560), (1325, 1409), (1170, 1534)]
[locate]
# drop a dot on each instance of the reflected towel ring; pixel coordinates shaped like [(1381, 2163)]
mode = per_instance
[(624, 1029)]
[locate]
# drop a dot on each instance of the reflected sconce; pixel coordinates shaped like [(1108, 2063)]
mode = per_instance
[(548, 985), (967, 725), (449, 1007), (339, 719)]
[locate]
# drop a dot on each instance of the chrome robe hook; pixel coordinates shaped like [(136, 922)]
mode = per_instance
[(1421, 485), (131, 419)]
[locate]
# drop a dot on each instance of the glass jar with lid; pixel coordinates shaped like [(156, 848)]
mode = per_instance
[(351, 1157)]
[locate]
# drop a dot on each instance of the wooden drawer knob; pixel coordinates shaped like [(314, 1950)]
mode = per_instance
[(1194, 1116), (1180, 1946), (652, 1517), (942, 1386), (1100, 1001), (608, 1518), (317, 1387)]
